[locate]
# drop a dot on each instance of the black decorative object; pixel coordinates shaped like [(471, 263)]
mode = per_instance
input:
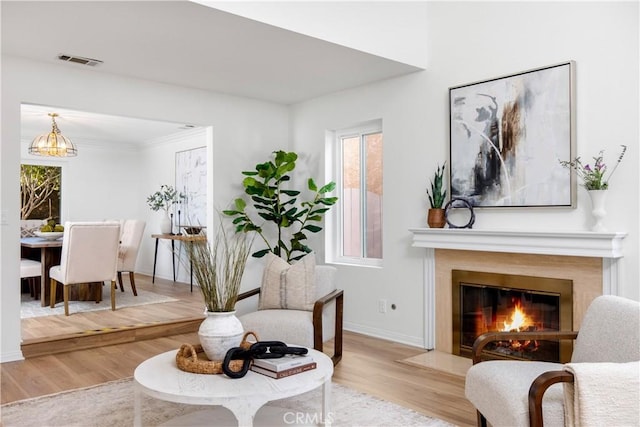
[(458, 202), (171, 232), (258, 350)]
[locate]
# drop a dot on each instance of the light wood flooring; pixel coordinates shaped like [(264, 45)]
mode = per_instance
[(189, 305), (369, 365)]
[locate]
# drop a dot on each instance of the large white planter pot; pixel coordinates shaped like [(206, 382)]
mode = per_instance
[(219, 332), (598, 200)]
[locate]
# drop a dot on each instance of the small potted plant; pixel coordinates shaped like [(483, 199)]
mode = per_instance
[(437, 195), (163, 199)]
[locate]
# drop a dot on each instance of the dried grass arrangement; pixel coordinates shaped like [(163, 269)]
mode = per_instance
[(218, 267)]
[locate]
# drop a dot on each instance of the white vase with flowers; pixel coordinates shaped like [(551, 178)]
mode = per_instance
[(596, 181), (164, 199)]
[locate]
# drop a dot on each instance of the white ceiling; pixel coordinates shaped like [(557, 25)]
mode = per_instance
[(180, 43), (92, 128)]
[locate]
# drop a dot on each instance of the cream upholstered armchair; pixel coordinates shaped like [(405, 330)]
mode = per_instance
[(89, 254), (601, 383), (299, 305), (130, 238)]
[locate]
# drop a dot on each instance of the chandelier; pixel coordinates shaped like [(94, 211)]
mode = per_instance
[(53, 144)]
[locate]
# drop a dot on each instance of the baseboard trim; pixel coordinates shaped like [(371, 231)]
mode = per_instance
[(384, 334), (11, 356)]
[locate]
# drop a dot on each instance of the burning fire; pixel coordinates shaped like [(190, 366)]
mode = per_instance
[(519, 320)]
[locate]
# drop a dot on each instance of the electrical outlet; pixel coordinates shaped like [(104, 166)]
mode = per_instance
[(382, 305)]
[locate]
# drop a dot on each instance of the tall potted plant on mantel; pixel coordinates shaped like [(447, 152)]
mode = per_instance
[(437, 195), (218, 267), (164, 199), (278, 207), (596, 182)]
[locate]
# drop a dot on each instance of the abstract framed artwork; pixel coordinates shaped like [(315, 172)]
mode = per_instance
[(507, 136), (191, 180)]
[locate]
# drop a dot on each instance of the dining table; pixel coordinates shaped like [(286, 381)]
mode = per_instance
[(49, 255)]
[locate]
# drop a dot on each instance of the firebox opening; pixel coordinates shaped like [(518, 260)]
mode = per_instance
[(488, 302)]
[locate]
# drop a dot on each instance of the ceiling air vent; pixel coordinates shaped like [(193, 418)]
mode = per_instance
[(80, 60)]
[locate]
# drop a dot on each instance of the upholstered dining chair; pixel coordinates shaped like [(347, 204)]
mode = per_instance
[(32, 271), (130, 238), (298, 304), (601, 383), (89, 254)]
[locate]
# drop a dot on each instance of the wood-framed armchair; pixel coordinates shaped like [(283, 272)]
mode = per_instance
[(302, 327), (529, 393)]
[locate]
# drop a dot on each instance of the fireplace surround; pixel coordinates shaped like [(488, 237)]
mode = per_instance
[(590, 259), (489, 302)]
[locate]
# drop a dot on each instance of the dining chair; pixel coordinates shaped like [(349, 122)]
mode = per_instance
[(130, 239), (31, 270), (89, 254)]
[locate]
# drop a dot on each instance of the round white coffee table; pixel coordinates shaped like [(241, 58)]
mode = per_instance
[(160, 377)]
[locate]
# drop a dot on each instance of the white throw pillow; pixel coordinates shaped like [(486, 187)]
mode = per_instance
[(288, 286)]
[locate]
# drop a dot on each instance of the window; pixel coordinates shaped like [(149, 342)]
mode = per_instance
[(357, 225), (40, 189)]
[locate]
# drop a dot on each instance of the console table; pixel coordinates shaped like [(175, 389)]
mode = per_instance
[(173, 238)]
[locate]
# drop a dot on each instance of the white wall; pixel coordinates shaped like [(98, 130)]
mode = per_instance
[(243, 131), (100, 183), (162, 152), (466, 44)]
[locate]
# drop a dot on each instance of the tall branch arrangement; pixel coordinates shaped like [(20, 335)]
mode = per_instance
[(218, 268), (37, 184), (279, 207)]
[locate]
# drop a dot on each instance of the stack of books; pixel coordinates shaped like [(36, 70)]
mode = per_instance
[(283, 366)]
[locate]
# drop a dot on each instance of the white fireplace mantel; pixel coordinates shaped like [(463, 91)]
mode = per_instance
[(567, 243), (605, 245)]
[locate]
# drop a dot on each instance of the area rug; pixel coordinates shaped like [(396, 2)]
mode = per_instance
[(32, 308), (111, 405)]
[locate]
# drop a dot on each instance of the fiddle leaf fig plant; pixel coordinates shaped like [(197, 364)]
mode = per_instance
[(279, 207)]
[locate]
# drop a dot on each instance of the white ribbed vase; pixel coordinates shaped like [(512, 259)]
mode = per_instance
[(219, 332), (598, 200), (165, 223)]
